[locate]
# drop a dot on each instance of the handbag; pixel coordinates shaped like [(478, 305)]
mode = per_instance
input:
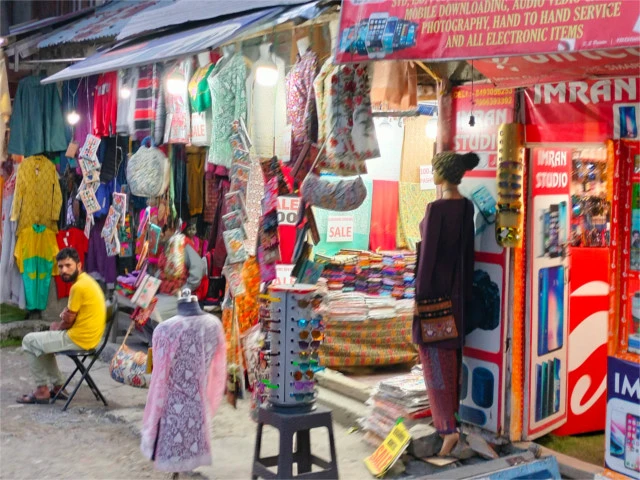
[(128, 366), (340, 196), (437, 322), (148, 171)]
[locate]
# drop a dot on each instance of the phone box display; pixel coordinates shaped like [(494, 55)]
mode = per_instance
[(622, 436)]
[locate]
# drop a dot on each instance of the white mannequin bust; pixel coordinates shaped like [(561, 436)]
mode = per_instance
[(333, 33), (204, 59), (265, 52), (303, 45)]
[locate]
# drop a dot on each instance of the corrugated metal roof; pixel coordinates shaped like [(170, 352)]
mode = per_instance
[(183, 11), (47, 22), (107, 22), (177, 45)]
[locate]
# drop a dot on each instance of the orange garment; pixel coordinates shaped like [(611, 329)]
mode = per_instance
[(195, 179)]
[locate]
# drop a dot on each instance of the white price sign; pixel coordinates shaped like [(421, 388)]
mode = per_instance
[(426, 178), (340, 228), (283, 275), (288, 210)]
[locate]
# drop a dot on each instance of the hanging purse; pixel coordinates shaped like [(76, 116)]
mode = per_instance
[(340, 196), (437, 322), (148, 171)]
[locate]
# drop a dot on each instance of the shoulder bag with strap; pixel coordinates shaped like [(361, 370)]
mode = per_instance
[(437, 322)]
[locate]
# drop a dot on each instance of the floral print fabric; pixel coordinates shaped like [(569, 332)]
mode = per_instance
[(227, 84), (301, 104), (346, 119), (189, 371)]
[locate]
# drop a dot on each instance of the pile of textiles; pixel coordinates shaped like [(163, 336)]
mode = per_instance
[(125, 284), (401, 396), (388, 274)]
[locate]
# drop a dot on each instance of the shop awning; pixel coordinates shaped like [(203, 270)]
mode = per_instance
[(177, 45), (184, 11), (106, 22), (511, 72)]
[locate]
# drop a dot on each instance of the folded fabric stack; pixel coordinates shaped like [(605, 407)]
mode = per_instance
[(410, 275), (339, 271), (401, 396), (125, 284)]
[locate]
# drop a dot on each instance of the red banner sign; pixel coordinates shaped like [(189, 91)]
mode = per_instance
[(551, 171), (463, 29), (490, 108), (583, 111), (559, 67)]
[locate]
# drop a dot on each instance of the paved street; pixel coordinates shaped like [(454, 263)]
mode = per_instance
[(90, 441)]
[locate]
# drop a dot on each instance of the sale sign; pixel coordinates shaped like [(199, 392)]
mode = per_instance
[(463, 29), (426, 178), (340, 228), (288, 210), (490, 107)]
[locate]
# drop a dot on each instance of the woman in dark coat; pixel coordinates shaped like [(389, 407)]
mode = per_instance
[(445, 269)]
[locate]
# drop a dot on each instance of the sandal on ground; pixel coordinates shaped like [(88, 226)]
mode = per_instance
[(30, 398), (63, 395)]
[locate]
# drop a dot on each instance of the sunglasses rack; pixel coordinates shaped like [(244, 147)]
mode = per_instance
[(296, 335), (510, 181)]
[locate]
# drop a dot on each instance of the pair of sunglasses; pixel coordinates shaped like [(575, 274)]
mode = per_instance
[(306, 365), (305, 302), (315, 334), (303, 396), (315, 344), (314, 322), (513, 185), (301, 385), (510, 176), (299, 375), (266, 383), (311, 356)]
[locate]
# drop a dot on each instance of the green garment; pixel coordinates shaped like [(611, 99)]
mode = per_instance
[(35, 253), (37, 125)]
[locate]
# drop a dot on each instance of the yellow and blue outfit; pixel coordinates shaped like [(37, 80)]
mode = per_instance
[(35, 252)]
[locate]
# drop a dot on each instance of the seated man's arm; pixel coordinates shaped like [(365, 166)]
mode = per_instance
[(70, 312)]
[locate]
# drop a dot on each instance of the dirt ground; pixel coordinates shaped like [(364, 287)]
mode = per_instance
[(90, 441)]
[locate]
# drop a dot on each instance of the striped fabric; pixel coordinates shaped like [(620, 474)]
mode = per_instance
[(146, 100)]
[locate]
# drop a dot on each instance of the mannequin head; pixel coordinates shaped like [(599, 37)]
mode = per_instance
[(265, 51), (303, 45), (450, 167), (204, 59)]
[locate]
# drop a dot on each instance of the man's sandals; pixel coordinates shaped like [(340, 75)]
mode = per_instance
[(31, 398)]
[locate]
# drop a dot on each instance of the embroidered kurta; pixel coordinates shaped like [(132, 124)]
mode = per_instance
[(227, 84), (35, 253), (38, 197), (178, 120), (347, 119), (189, 378), (301, 102), (199, 94)]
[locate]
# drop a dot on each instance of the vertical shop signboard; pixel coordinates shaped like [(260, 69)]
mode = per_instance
[(622, 434), (547, 321), (484, 367), (629, 327)]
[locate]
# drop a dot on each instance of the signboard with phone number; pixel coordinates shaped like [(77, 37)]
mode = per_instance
[(461, 29)]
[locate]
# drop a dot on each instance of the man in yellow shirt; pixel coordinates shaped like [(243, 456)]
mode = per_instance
[(81, 328)]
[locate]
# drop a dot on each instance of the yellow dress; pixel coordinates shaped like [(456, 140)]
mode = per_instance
[(37, 198)]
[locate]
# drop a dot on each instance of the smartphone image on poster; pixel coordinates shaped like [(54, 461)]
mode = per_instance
[(554, 231), (617, 437), (538, 393), (485, 203), (546, 220), (632, 443), (389, 35), (550, 309), (545, 391), (628, 122), (563, 222), (556, 385), (375, 32), (359, 44), (411, 35), (347, 39)]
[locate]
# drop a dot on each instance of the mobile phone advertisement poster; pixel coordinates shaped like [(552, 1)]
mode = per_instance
[(484, 364), (547, 322), (463, 29), (622, 434)]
